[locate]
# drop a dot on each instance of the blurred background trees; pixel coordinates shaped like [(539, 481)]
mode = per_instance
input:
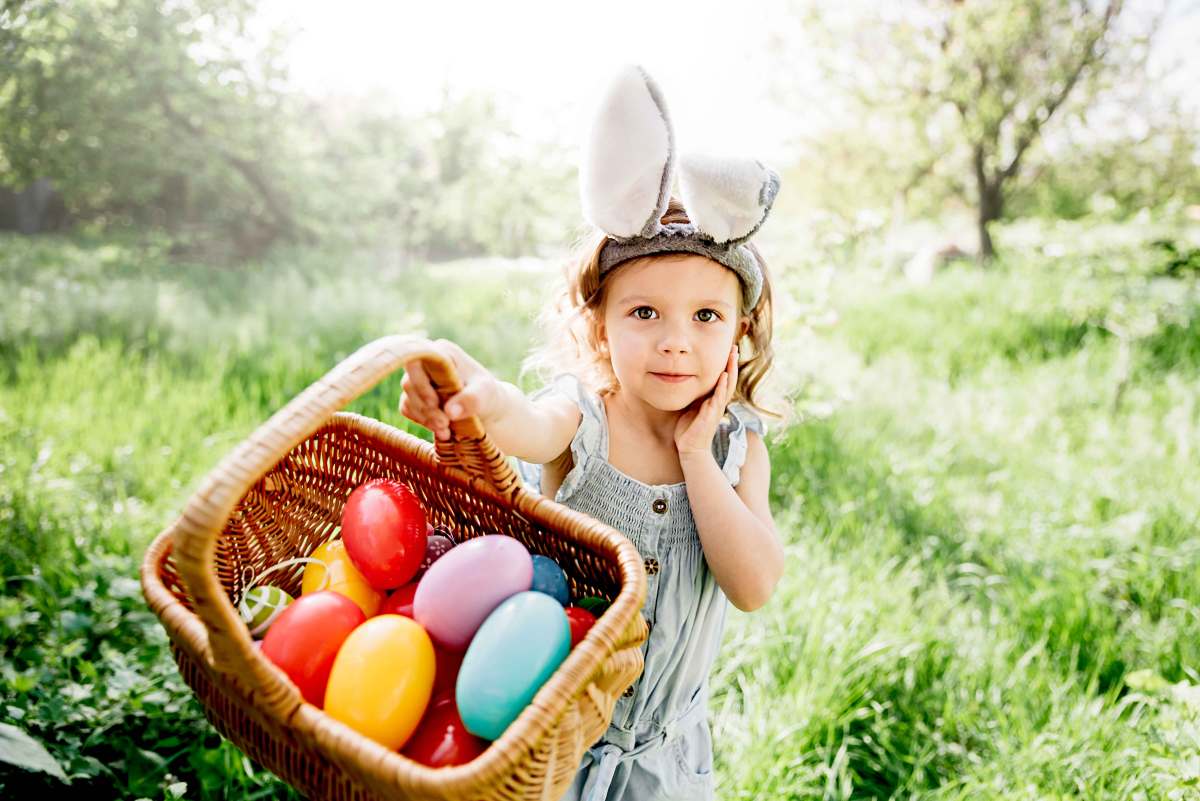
[(180, 118), (1042, 107)]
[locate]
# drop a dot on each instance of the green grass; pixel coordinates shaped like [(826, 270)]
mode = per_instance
[(988, 499)]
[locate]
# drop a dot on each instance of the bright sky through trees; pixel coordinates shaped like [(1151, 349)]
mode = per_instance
[(546, 61)]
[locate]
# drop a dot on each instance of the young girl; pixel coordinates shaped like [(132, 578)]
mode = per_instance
[(632, 429)]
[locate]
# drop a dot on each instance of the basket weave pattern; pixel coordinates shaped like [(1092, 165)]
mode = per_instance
[(280, 494)]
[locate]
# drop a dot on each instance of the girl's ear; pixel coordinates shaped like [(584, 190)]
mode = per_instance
[(742, 328), (628, 163)]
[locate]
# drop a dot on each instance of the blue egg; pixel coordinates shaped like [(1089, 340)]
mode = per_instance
[(549, 578), (512, 655)]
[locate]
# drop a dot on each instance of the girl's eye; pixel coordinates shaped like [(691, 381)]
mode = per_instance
[(711, 317)]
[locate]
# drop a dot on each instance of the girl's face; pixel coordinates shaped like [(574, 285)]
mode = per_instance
[(670, 322)]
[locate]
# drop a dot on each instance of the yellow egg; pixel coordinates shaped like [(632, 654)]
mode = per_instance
[(344, 577), (382, 679)]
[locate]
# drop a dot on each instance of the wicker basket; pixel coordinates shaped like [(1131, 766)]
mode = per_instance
[(280, 494)]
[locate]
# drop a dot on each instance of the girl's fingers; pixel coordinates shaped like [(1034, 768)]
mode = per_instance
[(421, 414), (421, 384), (461, 405), (731, 385), (414, 407), (715, 401)]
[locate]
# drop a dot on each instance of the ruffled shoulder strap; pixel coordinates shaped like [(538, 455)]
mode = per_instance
[(590, 441), (741, 419)]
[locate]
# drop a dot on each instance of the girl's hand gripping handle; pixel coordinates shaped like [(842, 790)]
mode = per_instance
[(421, 403)]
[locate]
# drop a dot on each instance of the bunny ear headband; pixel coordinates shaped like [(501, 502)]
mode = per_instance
[(625, 182)]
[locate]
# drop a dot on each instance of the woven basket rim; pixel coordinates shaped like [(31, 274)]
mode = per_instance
[(553, 698)]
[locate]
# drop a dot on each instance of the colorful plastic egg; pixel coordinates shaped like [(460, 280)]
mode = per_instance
[(550, 579), (344, 577), (514, 652), (441, 739), (400, 602), (384, 528), (305, 639), (462, 588), (436, 546), (448, 664), (581, 621), (594, 604), (261, 606), (382, 679)]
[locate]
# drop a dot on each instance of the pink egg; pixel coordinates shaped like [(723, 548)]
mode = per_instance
[(463, 587)]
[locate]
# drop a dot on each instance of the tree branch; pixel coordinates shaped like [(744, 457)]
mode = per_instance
[(281, 214), (1032, 125)]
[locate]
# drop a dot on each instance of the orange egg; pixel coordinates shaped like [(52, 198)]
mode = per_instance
[(344, 577)]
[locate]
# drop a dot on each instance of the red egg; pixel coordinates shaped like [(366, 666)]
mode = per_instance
[(305, 638), (441, 738), (383, 526), (581, 621), (400, 602), (446, 674)]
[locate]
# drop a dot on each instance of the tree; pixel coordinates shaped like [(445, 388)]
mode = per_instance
[(1006, 77), (961, 91), (168, 114)]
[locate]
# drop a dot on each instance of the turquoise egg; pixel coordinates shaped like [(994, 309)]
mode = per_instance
[(512, 655)]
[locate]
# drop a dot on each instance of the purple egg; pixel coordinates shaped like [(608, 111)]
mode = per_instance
[(462, 588), (436, 547)]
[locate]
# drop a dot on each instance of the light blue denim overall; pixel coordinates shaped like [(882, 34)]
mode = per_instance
[(658, 745)]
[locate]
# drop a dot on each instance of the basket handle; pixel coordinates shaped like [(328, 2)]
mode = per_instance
[(204, 517)]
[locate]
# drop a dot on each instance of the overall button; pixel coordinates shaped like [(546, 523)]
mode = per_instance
[(659, 505), (651, 567)]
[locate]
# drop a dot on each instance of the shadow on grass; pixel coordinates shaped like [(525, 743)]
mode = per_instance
[(1173, 347), (1096, 617), (854, 499)]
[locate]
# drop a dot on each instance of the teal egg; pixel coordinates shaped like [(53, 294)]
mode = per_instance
[(513, 653)]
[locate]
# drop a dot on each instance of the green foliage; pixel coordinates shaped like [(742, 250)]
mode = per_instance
[(181, 117), (455, 182), (1113, 178), (154, 114), (936, 107)]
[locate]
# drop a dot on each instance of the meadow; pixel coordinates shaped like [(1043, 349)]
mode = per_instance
[(986, 485)]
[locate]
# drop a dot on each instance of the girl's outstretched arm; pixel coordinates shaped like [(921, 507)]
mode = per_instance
[(535, 432), (736, 528)]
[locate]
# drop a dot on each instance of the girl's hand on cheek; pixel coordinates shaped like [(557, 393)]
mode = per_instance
[(695, 428)]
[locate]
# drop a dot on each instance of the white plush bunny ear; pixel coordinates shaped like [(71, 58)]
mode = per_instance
[(626, 173), (726, 198)]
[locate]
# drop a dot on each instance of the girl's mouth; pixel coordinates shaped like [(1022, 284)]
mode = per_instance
[(671, 378)]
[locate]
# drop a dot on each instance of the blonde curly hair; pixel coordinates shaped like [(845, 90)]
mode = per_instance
[(571, 324)]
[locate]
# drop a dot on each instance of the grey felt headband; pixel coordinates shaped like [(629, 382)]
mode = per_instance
[(625, 181)]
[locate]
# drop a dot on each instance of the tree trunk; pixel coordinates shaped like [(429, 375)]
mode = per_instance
[(990, 191), (987, 250)]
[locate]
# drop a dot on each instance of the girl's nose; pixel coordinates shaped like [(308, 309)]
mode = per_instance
[(674, 342)]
